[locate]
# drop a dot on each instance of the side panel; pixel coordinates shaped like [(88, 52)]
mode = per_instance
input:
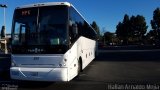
[(88, 51), (84, 48), (72, 60)]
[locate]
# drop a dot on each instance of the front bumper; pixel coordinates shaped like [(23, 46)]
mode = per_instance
[(39, 74)]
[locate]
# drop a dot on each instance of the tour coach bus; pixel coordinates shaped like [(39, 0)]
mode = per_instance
[(50, 42)]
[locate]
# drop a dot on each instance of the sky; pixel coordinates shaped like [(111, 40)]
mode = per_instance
[(107, 13)]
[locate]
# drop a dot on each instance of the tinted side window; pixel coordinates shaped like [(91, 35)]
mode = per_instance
[(84, 29), (74, 28)]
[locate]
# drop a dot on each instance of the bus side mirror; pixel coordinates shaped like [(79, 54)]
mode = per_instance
[(3, 32)]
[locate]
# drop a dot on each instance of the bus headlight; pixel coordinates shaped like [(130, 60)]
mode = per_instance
[(63, 63)]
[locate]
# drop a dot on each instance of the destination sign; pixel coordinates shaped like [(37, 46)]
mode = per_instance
[(26, 12)]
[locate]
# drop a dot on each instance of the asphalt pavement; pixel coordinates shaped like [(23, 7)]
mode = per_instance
[(116, 70)]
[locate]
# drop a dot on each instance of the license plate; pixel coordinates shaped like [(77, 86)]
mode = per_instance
[(34, 74)]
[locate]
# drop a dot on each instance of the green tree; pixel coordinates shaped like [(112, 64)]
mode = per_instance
[(139, 27), (132, 29), (109, 37), (151, 37), (122, 30), (155, 23), (119, 31), (96, 28), (126, 28), (132, 25)]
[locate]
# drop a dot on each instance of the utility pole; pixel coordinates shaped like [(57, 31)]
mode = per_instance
[(4, 12), (4, 26)]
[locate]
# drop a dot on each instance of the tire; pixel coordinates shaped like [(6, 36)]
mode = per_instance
[(79, 67)]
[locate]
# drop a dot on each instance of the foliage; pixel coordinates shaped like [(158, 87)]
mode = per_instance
[(96, 28), (108, 37), (155, 22), (131, 30), (154, 34)]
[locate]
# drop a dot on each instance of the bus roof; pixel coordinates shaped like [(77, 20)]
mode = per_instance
[(45, 4)]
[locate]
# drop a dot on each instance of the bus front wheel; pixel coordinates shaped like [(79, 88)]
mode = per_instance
[(79, 69)]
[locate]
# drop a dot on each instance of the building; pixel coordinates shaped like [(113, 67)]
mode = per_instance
[(5, 42)]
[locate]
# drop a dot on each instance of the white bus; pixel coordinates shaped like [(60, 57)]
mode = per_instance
[(50, 42)]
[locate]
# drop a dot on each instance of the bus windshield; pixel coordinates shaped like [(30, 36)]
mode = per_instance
[(40, 27)]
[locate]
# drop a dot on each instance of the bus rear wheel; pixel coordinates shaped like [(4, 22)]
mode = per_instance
[(79, 69)]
